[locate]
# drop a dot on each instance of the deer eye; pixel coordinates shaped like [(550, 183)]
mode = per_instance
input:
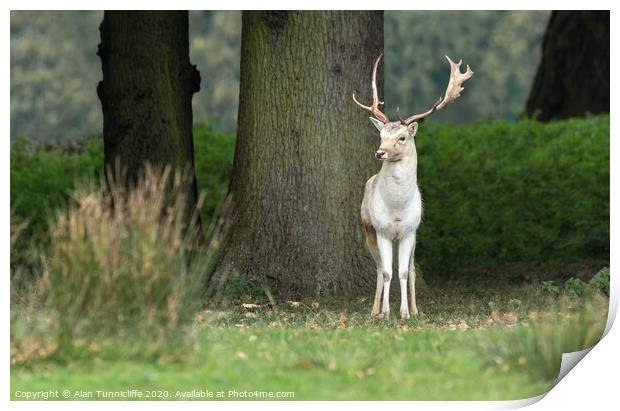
[(403, 138)]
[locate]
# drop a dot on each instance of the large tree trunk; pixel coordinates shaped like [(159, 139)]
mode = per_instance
[(146, 92), (573, 75), (304, 152)]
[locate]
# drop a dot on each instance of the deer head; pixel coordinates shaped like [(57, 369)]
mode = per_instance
[(397, 137)]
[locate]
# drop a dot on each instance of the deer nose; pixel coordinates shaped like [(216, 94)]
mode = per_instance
[(379, 154)]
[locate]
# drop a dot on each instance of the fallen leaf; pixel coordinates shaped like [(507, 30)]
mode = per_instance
[(241, 355), (364, 373), (495, 314), (463, 326), (342, 320), (510, 318), (315, 305), (306, 363), (294, 304)]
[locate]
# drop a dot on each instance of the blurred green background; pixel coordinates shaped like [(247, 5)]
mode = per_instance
[(55, 69)]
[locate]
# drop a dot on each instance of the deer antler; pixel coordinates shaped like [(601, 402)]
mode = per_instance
[(374, 108), (453, 91)]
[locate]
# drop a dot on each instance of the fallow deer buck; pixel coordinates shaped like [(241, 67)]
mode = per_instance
[(392, 204)]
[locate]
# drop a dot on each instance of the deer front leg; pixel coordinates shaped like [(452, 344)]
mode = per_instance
[(371, 241), (385, 250), (405, 247), (377, 301), (414, 308)]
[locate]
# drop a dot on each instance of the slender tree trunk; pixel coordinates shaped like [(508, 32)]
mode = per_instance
[(304, 152), (146, 92), (573, 75)]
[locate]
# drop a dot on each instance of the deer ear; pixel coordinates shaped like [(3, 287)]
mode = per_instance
[(377, 123), (412, 128)]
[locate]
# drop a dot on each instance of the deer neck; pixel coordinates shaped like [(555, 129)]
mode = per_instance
[(398, 179)]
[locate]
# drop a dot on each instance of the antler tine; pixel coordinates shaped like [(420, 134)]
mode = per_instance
[(453, 91), (374, 108)]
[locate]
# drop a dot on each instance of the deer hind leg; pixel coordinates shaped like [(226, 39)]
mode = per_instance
[(414, 308), (385, 251), (371, 241), (405, 251)]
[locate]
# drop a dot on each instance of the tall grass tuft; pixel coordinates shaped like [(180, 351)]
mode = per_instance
[(537, 349), (125, 263)]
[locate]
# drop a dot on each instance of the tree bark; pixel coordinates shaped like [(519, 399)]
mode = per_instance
[(573, 75), (303, 154), (146, 92)]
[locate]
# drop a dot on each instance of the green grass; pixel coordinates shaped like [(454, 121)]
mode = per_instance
[(330, 364), (469, 344)]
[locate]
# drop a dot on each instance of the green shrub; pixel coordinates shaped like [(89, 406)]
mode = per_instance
[(501, 192), (213, 152), (575, 287), (124, 265), (42, 178), (600, 281), (549, 286)]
